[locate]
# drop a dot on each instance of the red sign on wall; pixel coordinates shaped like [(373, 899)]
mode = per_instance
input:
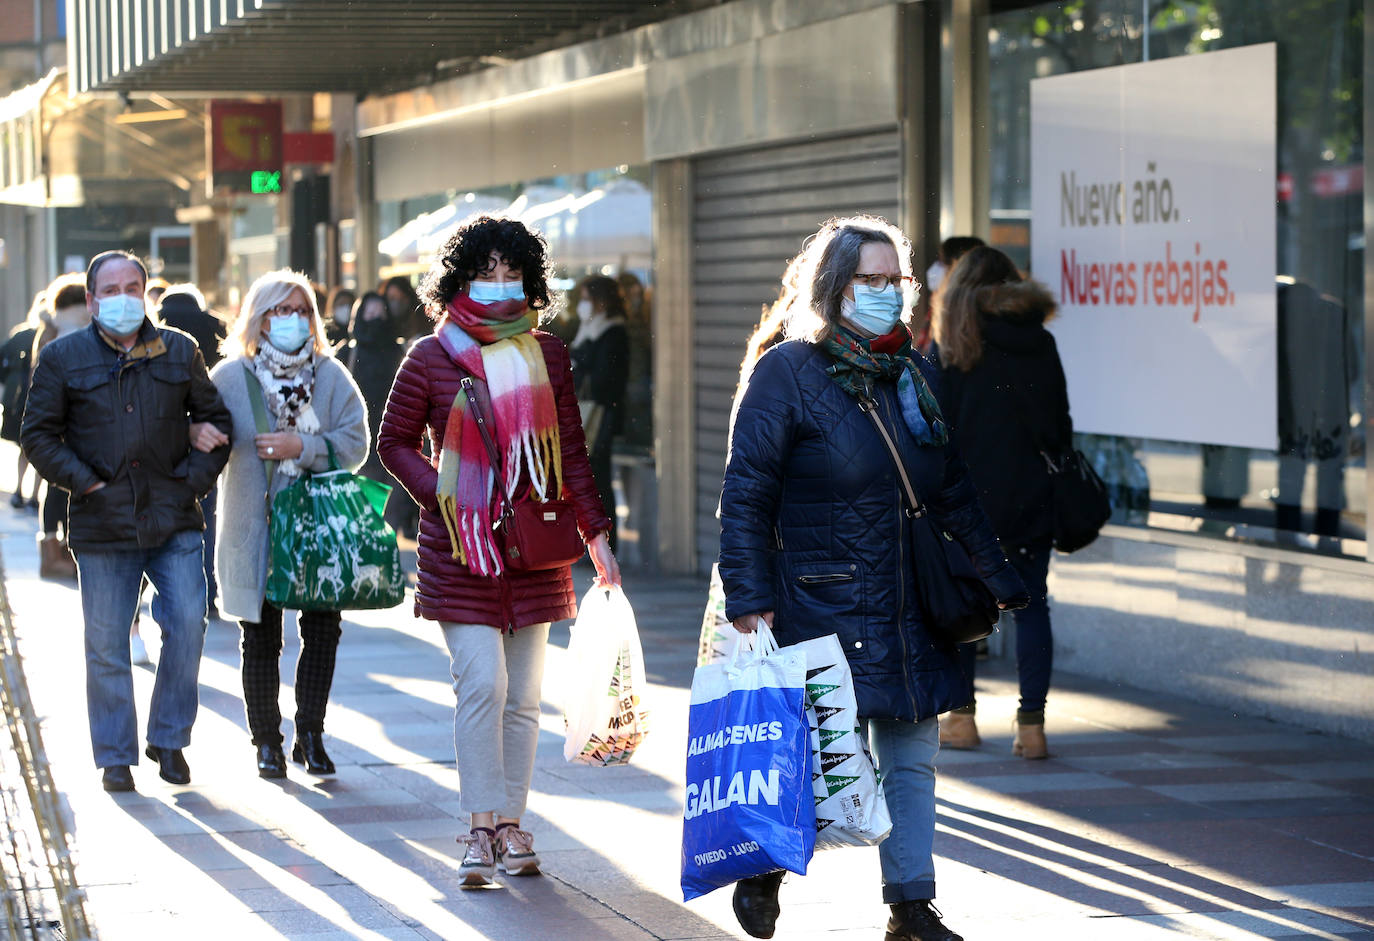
[(245, 136)]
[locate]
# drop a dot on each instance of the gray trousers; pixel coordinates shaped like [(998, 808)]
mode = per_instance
[(496, 681)]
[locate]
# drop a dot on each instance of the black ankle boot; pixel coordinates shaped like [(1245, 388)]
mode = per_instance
[(271, 762), (918, 920), (756, 903), (309, 751)]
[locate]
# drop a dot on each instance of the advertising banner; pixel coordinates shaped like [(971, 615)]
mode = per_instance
[(1153, 222)]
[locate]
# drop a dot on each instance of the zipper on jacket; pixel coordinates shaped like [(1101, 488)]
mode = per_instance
[(826, 579), (870, 406)]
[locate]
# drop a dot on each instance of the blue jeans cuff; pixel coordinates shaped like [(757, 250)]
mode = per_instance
[(908, 891)]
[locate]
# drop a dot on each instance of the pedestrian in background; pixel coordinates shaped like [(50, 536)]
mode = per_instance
[(949, 252), (16, 367), (486, 292), (63, 312), (338, 312), (277, 349), (813, 520), (108, 420), (1008, 403), (601, 366)]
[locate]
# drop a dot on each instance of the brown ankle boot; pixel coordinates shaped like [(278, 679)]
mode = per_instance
[(1030, 738), (55, 559), (959, 730)]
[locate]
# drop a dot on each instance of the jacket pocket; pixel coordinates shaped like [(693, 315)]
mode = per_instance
[(171, 387), (826, 597)]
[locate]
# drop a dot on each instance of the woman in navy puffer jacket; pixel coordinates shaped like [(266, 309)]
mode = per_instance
[(815, 540)]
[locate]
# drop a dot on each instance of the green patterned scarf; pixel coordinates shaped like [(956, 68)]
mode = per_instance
[(857, 364)]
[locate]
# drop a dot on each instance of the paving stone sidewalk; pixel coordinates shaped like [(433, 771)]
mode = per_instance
[(1155, 818)]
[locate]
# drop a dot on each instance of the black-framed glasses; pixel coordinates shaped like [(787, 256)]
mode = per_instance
[(879, 282), (286, 310)]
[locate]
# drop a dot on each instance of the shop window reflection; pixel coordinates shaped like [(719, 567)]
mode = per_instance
[(1311, 490)]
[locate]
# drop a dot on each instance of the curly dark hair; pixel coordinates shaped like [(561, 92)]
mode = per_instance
[(467, 253)]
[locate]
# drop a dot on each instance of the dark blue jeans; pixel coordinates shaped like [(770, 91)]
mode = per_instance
[(110, 584), (1034, 641)]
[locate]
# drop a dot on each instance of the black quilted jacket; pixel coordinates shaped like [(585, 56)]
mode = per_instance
[(812, 529)]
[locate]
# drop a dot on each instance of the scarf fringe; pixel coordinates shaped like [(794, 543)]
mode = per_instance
[(526, 435)]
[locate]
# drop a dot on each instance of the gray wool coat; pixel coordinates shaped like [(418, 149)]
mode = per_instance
[(241, 546)]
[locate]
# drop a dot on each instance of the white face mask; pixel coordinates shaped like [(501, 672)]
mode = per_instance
[(935, 274), (121, 314), (584, 308), (341, 314), (491, 292)]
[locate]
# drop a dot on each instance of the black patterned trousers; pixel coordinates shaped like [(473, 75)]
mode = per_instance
[(262, 641)]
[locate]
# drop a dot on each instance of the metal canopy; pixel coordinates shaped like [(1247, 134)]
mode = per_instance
[(360, 46)]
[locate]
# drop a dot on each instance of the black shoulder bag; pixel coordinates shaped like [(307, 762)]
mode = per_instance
[(1079, 502), (957, 607)]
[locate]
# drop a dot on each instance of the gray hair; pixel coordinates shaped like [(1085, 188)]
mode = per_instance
[(815, 280), (267, 292)]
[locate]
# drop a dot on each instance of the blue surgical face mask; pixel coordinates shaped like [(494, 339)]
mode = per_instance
[(490, 292), (875, 312), (288, 334), (120, 314)]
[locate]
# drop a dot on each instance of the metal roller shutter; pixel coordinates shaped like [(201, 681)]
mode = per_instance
[(751, 211)]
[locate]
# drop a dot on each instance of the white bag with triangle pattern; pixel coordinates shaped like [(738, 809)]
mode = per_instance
[(850, 807)]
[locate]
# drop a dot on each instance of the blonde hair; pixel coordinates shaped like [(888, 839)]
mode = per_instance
[(815, 280), (267, 292)]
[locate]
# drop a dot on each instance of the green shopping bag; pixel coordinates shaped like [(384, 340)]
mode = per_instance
[(329, 549)]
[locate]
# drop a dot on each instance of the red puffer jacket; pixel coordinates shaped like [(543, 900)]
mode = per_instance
[(446, 591)]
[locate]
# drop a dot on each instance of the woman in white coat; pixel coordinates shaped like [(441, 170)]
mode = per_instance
[(278, 344)]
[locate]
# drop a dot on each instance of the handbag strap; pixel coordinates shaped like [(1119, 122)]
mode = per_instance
[(869, 408), (485, 432), (259, 403)]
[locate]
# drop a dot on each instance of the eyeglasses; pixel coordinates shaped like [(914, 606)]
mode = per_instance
[(285, 310), (879, 282)]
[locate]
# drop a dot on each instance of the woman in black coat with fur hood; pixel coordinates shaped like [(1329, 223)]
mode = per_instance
[(1006, 398)]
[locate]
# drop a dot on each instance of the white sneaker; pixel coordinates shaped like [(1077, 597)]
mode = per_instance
[(515, 855), (479, 862), (138, 652)]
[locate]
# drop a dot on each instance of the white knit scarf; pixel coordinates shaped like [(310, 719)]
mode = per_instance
[(288, 381)]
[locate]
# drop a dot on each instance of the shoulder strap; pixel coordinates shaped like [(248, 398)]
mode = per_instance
[(485, 432), (866, 406), (259, 403)]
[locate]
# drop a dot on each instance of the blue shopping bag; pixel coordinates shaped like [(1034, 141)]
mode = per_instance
[(749, 807)]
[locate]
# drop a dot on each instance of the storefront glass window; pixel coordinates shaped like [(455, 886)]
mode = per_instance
[(1311, 490)]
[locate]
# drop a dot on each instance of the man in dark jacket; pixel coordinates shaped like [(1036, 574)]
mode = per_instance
[(109, 419)]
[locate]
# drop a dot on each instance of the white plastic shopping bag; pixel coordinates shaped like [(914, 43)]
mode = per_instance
[(602, 711), (850, 807), (718, 634), (748, 807)]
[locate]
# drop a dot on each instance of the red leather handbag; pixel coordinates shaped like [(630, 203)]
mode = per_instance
[(533, 536)]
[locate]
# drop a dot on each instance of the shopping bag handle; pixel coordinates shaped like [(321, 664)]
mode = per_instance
[(761, 644)]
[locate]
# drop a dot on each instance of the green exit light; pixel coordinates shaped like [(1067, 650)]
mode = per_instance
[(265, 181)]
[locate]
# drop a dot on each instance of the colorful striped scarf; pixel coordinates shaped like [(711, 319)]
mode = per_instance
[(859, 360), (492, 344)]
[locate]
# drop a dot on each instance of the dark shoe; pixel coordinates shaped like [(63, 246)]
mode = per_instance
[(117, 778), (271, 762), (309, 751), (17, 501), (171, 764), (756, 903), (918, 921)]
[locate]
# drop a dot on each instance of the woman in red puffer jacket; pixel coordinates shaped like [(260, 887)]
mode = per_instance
[(486, 293)]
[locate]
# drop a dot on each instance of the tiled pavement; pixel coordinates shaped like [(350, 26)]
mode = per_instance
[(1155, 817)]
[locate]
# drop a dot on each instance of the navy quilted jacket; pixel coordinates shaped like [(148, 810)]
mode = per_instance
[(812, 529)]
